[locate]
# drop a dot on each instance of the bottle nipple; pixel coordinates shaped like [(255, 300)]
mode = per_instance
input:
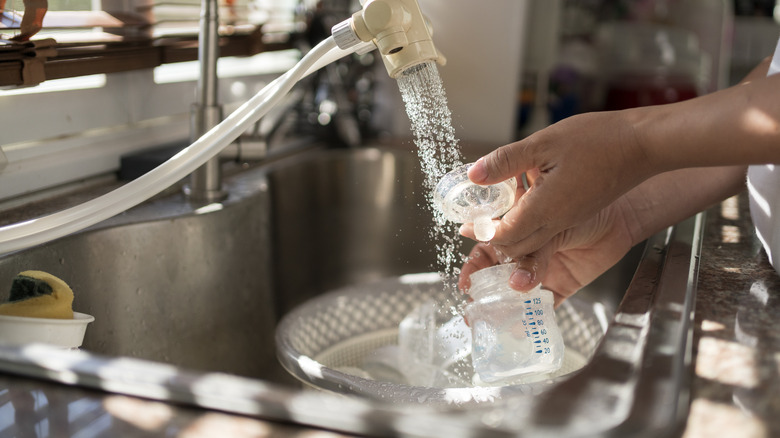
[(460, 200), (484, 229)]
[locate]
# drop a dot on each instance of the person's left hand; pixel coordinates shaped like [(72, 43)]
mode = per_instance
[(569, 261)]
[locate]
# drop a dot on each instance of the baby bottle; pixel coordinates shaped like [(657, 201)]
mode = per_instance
[(460, 200), (513, 333)]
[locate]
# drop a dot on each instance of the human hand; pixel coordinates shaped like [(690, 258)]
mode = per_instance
[(568, 261), (653, 165), (575, 169), (576, 256)]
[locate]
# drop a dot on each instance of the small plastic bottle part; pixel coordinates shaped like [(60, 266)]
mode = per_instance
[(432, 346), (513, 333), (461, 201)]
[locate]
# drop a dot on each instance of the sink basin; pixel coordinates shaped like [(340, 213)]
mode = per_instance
[(194, 293)]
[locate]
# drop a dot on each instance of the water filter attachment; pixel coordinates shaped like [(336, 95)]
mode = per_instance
[(461, 201), (396, 27)]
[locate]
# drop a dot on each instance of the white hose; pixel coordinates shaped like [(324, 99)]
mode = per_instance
[(47, 228)]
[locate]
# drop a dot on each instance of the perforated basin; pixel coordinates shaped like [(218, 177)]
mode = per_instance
[(324, 341)]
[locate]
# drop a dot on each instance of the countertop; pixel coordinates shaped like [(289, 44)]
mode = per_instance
[(735, 386)]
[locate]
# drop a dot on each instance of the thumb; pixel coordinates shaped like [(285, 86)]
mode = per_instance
[(501, 164)]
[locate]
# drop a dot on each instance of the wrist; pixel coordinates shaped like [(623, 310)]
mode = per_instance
[(650, 125)]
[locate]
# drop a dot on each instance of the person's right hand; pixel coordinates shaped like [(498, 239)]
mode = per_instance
[(575, 169)]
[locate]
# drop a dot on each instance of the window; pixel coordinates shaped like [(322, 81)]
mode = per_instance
[(120, 78)]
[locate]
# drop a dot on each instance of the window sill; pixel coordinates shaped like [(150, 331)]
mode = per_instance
[(27, 64)]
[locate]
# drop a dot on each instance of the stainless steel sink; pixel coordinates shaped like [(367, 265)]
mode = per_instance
[(194, 290)]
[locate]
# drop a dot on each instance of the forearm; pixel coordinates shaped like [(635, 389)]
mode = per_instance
[(670, 197), (736, 126)]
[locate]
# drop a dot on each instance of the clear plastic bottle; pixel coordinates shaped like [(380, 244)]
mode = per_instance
[(513, 333)]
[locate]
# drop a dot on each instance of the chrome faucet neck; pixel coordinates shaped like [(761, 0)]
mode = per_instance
[(206, 181)]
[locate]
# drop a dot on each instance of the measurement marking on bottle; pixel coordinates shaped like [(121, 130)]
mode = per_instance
[(529, 311)]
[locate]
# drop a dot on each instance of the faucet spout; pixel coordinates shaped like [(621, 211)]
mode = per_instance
[(397, 28)]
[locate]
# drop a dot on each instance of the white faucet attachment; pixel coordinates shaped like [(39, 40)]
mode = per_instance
[(397, 28)]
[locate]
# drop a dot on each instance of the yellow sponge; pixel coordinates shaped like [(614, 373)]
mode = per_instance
[(39, 294)]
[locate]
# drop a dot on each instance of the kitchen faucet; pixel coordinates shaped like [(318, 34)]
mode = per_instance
[(396, 27)]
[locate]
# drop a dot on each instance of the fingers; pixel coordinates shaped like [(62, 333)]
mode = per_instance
[(481, 256), (528, 273), (530, 269), (530, 223), (513, 240), (502, 164)]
